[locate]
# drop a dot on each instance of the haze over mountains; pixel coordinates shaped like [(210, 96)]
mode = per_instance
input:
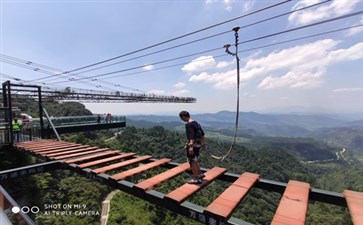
[(334, 129), (264, 124)]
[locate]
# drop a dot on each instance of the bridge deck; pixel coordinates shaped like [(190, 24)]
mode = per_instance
[(291, 210)]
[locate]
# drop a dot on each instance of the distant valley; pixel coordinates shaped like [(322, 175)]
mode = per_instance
[(268, 128)]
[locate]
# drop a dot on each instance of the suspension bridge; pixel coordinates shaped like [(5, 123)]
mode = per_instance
[(99, 163)]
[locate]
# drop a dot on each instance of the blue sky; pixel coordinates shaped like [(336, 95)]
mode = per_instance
[(320, 74)]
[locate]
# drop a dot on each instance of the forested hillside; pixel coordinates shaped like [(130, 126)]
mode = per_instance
[(271, 162), (53, 108), (56, 187), (275, 158)]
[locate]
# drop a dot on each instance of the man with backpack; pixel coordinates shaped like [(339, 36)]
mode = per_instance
[(196, 141)]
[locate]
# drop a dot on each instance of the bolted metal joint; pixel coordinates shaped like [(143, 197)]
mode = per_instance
[(236, 29), (227, 50)]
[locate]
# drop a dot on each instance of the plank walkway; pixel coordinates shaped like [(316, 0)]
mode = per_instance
[(291, 210)]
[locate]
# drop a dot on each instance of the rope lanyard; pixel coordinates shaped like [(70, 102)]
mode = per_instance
[(221, 158)]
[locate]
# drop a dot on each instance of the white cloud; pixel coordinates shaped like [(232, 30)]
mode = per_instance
[(148, 67), (199, 64), (359, 89), (333, 9), (353, 53), (157, 92), (311, 69), (221, 80), (207, 2), (228, 5), (301, 66), (180, 92), (224, 64), (248, 5), (180, 85), (356, 30), (293, 79)]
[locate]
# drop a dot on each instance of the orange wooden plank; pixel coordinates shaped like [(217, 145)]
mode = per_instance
[(39, 143), (56, 147), (140, 169), (224, 205), (152, 181), (71, 151), (79, 154), (293, 205), (61, 149), (121, 164), (43, 147), (92, 157), (355, 205), (36, 150), (49, 144), (185, 191), (33, 142), (97, 162)]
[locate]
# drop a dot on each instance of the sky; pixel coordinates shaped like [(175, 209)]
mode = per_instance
[(321, 74)]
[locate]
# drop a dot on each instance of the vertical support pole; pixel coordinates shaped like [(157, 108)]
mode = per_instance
[(10, 106), (6, 113), (42, 130), (2, 201), (5, 98)]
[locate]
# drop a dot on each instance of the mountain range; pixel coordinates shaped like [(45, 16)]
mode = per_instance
[(333, 129), (264, 124)]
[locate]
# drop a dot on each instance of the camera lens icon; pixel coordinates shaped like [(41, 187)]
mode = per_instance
[(25, 209), (15, 209)]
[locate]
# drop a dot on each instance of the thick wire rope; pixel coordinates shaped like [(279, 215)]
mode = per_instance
[(176, 38), (184, 44), (218, 56), (245, 50), (243, 42), (38, 68)]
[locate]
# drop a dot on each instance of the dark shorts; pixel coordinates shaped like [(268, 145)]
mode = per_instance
[(194, 156)]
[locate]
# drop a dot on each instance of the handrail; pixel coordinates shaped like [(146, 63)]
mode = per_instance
[(51, 124)]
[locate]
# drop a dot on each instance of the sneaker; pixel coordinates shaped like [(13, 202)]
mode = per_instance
[(195, 181), (201, 175)]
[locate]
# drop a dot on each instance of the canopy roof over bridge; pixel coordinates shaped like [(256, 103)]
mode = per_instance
[(86, 95)]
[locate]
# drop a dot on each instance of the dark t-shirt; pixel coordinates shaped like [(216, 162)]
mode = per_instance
[(192, 129)]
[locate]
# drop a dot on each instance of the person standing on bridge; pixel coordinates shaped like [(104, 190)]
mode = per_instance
[(17, 125), (196, 141)]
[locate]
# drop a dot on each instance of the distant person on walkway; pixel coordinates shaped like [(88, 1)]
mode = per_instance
[(196, 140), (98, 118), (17, 125), (104, 118), (110, 118)]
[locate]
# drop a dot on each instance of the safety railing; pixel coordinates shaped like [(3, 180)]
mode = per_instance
[(28, 132), (4, 133), (77, 120), (11, 213)]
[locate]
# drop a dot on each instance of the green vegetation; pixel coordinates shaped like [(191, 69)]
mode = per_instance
[(31, 107), (274, 162), (275, 158), (347, 137), (128, 210), (65, 188)]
